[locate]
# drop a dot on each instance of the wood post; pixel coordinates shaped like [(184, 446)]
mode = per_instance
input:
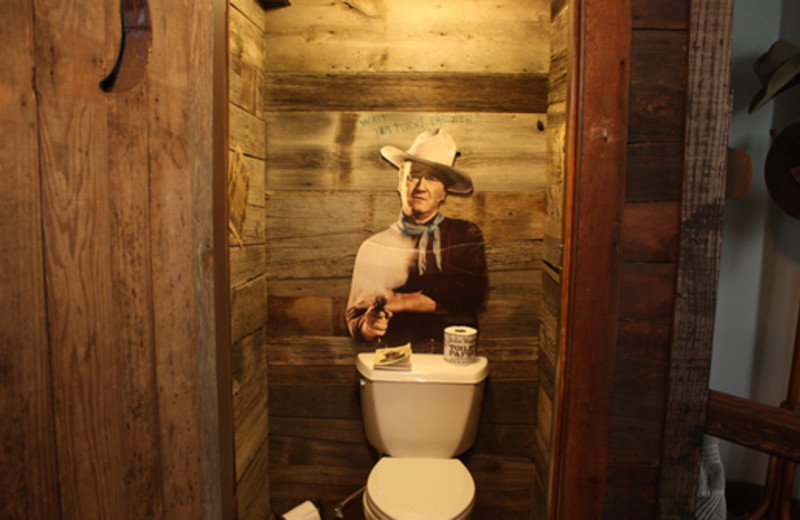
[(590, 293)]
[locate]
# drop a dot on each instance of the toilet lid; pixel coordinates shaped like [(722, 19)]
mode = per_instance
[(420, 489)]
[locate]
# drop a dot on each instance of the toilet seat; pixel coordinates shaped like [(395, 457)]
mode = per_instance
[(419, 489)]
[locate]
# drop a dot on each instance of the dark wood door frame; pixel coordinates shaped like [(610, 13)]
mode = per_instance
[(590, 297), (223, 372), (595, 177), (595, 180)]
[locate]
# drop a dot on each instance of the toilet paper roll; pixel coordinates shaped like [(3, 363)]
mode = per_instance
[(460, 344), (305, 511)]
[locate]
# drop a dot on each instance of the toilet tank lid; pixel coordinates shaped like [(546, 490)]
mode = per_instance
[(431, 368)]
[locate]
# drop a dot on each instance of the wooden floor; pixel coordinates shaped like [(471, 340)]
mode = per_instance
[(741, 497), (354, 510)]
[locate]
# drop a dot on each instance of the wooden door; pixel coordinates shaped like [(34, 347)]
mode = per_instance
[(108, 326)]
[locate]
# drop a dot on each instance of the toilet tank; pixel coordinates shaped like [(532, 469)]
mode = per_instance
[(431, 410)]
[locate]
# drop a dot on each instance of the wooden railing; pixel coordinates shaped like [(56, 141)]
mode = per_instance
[(765, 428)]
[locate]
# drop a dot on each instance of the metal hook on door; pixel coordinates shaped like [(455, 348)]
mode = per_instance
[(134, 49)]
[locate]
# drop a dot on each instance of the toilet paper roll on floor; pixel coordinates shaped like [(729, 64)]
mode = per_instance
[(305, 511), (460, 344)]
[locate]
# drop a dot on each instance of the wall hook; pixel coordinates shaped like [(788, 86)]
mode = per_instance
[(134, 48)]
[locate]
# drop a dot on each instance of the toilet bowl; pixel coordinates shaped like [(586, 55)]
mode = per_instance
[(419, 419), (419, 489)]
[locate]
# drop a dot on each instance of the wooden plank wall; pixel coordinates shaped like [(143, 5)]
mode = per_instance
[(650, 235), (248, 266), (343, 79), (29, 480), (106, 279), (561, 33)]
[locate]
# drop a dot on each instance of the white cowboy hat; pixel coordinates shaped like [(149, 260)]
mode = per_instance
[(777, 69), (434, 148)]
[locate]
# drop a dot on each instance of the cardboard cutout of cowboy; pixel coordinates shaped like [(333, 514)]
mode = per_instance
[(425, 271)]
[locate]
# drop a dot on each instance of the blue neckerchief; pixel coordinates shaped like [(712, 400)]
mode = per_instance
[(404, 227)]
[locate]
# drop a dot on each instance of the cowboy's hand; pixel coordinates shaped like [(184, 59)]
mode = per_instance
[(376, 322)]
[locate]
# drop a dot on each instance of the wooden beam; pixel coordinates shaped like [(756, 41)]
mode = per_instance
[(215, 367), (766, 428), (701, 230), (598, 123), (407, 91)]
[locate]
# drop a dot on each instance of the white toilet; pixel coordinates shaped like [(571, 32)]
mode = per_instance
[(419, 419)]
